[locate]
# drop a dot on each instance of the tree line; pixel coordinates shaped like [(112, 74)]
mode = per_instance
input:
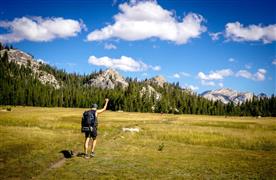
[(18, 86)]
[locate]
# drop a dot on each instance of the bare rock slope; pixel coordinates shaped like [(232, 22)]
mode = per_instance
[(149, 91), (227, 95), (23, 59), (108, 79)]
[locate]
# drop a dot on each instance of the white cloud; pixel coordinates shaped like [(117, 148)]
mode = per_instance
[(109, 46), (274, 62), (192, 87), (215, 36), (124, 63), (231, 60), (176, 75), (237, 32), (220, 84), (215, 75), (180, 74), (147, 19), (244, 73), (258, 76), (208, 83), (39, 29)]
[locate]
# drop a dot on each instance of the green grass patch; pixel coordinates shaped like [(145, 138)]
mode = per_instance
[(167, 146)]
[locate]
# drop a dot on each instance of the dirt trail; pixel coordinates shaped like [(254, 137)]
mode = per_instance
[(54, 165), (59, 163)]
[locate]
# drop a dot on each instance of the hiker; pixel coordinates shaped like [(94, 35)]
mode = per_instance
[(89, 127)]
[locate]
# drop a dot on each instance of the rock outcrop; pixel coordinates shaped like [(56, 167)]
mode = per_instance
[(149, 91), (227, 95), (108, 79), (157, 80), (23, 59)]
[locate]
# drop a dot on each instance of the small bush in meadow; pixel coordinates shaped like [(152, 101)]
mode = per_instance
[(161, 146)]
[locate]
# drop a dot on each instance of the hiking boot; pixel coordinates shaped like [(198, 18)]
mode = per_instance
[(86, 156), (92, 154)]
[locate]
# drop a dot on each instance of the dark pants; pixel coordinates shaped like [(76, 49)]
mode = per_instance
[(92, 134)]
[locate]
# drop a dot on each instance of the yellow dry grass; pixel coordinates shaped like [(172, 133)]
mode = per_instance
[(201, 147)]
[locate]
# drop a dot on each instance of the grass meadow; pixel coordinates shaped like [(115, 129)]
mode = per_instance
[(167, 146)]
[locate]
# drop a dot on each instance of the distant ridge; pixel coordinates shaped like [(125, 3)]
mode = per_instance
[(227, 95)]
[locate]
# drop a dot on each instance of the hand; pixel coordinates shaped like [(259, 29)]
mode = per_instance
[(106, 99)]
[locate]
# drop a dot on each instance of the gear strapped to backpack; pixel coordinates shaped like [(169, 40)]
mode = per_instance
[(89, 121)]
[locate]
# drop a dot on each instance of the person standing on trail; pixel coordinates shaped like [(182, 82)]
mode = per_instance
[(89, 127)]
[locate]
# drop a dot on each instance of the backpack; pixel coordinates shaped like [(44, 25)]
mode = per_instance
[(89, 121)]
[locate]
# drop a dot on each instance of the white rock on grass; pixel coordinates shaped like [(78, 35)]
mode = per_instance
[(131, 130)]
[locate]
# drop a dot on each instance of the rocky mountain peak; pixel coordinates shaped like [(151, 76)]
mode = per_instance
[(23, 59), (108, 79), (20, 57), (227, 95)]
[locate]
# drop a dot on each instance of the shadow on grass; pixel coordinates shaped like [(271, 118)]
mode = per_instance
[(69, 154)]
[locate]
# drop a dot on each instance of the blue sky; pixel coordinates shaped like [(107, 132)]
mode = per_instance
[(201, 44)]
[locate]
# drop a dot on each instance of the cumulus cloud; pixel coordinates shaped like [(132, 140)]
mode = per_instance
[(123, 63), (215, 36), (181, 74), (39, 29), (209, 79), (147, 19), (274, 62), (192, 87), (238, 32), (244, 73), (215, 75), (109, 46), (258, 76)]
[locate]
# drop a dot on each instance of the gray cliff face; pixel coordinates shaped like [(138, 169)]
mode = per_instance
[(108, 79), (227, 95), (149, 91), (23, 59)]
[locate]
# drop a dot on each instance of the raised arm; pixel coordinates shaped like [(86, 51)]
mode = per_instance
[(104, 108)]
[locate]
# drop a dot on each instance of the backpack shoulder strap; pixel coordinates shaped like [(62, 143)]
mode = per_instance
[(93, 111)]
